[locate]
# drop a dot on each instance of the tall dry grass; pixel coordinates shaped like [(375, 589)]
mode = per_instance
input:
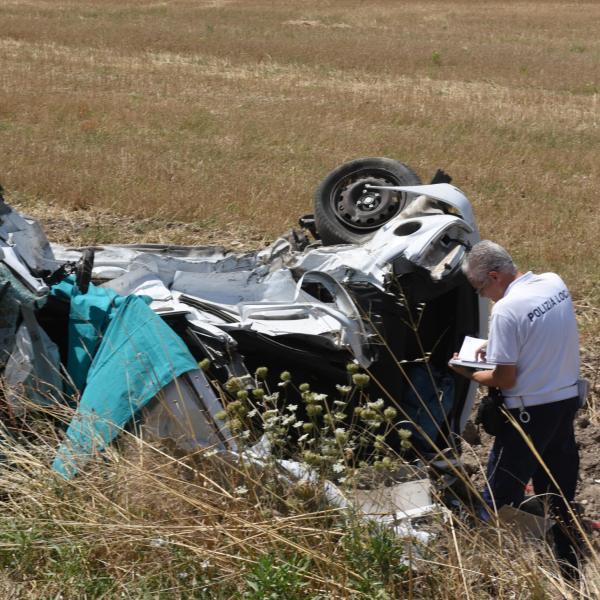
[(143, 523)]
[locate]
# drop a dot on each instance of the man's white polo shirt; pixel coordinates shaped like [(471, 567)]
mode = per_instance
[(533, 327)]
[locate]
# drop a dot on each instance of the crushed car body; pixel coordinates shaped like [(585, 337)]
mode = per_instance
[(394, 301)]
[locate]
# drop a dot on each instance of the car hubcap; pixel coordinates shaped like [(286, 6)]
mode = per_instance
[(363, 208)]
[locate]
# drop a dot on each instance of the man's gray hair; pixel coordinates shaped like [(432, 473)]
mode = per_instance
[(486, 256)]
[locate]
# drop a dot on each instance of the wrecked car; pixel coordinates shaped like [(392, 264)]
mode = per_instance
[(373, 279)]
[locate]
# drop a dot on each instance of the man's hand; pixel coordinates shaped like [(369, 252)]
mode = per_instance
[(481, 353), (464, 371)]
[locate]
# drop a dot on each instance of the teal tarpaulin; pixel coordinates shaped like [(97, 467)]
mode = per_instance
[(133, 354), (89, 316)]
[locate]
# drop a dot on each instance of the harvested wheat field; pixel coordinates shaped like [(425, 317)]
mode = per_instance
[(212, 122)]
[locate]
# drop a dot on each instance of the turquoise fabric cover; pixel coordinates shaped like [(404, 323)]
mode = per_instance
[(89, 317), (137, 355)]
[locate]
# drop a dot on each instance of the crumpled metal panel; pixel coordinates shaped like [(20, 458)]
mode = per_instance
[(443, 192), (185, 412), (372, 261), (24, 248)]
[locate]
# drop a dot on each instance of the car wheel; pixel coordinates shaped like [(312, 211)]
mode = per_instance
[(348, 213)]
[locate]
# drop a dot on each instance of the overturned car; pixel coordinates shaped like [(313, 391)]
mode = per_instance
[(373, 280)]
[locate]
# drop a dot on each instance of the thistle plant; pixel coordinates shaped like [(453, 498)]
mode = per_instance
[(336, 436)]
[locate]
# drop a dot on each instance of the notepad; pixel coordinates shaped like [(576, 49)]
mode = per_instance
[(467, 356)]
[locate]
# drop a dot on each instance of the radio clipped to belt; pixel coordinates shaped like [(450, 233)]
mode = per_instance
[(489, 413)]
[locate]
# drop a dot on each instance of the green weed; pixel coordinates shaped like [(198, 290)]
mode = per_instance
[(272, 578), (380, 557)]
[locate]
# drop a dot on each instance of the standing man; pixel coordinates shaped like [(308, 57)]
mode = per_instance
[(534, 344)]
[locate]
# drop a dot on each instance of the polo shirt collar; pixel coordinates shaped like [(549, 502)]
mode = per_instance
[(525, 277)]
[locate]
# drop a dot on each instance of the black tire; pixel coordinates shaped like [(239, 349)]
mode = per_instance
[(83, 270), (346, 213)]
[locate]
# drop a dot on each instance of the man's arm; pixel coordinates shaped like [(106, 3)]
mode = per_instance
[(502, 376)]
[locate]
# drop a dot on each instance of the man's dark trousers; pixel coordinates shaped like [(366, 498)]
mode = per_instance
[(512, 464)]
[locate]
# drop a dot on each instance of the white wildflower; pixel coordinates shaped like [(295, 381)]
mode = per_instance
[(377, 405), (343, 389), (272, 422), (341, 437)]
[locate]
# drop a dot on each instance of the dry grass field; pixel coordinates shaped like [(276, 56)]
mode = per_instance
[(213, 121), (226, 114)]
